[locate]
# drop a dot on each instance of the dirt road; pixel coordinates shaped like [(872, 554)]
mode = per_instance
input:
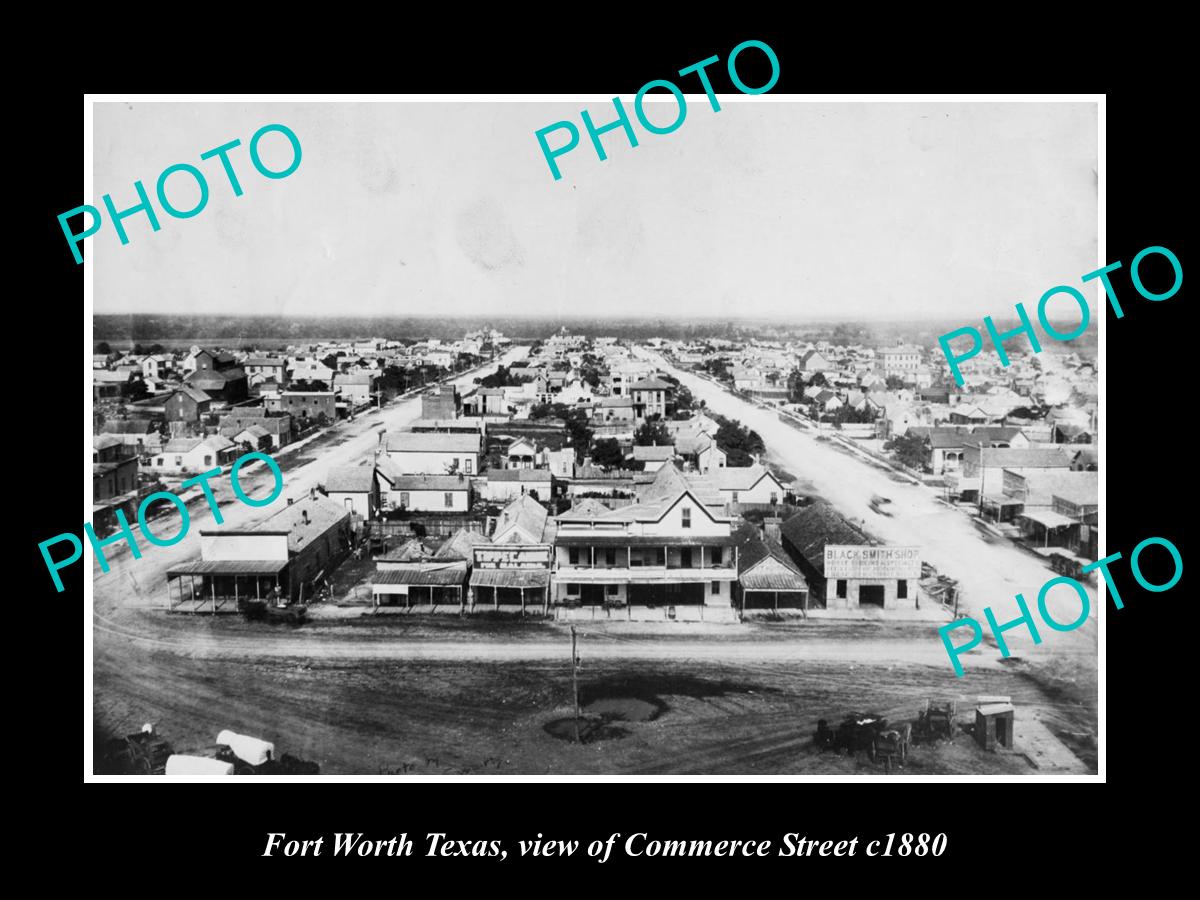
[(440, 698), (139, 582), (990, 571)]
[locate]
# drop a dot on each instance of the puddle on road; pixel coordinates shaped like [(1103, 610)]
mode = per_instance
[(599, 716)]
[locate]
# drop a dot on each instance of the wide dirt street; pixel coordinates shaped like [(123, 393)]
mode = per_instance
[(991, 571), (491, 695)]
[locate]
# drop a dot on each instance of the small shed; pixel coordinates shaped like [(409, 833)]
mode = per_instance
[(994, 725)]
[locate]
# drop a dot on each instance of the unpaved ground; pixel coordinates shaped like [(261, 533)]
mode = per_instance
[(440, 696)]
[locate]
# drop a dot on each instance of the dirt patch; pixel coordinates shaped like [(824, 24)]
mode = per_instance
[(626, 709), (590, 730)]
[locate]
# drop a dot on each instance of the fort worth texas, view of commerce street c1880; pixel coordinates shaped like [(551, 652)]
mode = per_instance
[(569, 485)]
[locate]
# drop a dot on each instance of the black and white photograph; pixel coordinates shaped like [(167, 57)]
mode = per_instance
[(437, 437)]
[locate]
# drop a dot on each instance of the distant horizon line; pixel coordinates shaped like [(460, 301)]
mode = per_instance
[(538, 317)]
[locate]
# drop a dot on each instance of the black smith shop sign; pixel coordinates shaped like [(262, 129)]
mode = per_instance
[(860, 561)]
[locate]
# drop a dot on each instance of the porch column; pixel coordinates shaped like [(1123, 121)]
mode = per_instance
[(462, 599), (522, 601), (496, 598), (235, 592), (214, 595)]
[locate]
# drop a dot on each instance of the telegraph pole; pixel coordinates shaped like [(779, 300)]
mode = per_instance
[(575, 682)]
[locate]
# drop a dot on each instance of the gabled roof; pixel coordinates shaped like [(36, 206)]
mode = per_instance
[(584, 510), (737, 478), (459, 544), (524, 517), (668, 483), (350, 480), (814, 526), (193, 393), (104, 441)]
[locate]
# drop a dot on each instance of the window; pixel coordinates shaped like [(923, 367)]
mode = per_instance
[(774, 498), (207, 459), (685, 557), (349, 503), (902, 589), (660, 556), (611, 590), (715, 555), (841, 588), (735, 496), (686, 513), (610, 556), (572, 590), (404, 499), (716, 589), (467, 466), (573, 556), (179, 460), (161, 461), (448, 499)]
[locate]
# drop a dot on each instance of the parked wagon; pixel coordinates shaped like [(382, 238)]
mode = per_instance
[(892, 746), (936, 720), (856, 732)]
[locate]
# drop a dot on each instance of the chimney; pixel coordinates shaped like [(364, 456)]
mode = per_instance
[(312, 493), (291, 500), (304, 516)]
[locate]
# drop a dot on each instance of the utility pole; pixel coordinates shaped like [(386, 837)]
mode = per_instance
[(575, 682)]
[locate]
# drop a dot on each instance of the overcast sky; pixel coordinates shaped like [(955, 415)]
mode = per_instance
[(797, 210)]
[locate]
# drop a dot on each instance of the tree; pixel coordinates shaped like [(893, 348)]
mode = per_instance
[(652, 434), (103, 347), (739, 443), (818, 380), (894, 382), (607, 453), (910, 450), (330, 362)]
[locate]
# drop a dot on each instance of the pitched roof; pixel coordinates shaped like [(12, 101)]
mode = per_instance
[(587, 508), (255, 431), (524, 515), (432, 442), (814, 526), (194, 393), (263, 361), (323, 515), (104, 441), (459, 544), (736, 478), (668, 483), (350, 480)]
